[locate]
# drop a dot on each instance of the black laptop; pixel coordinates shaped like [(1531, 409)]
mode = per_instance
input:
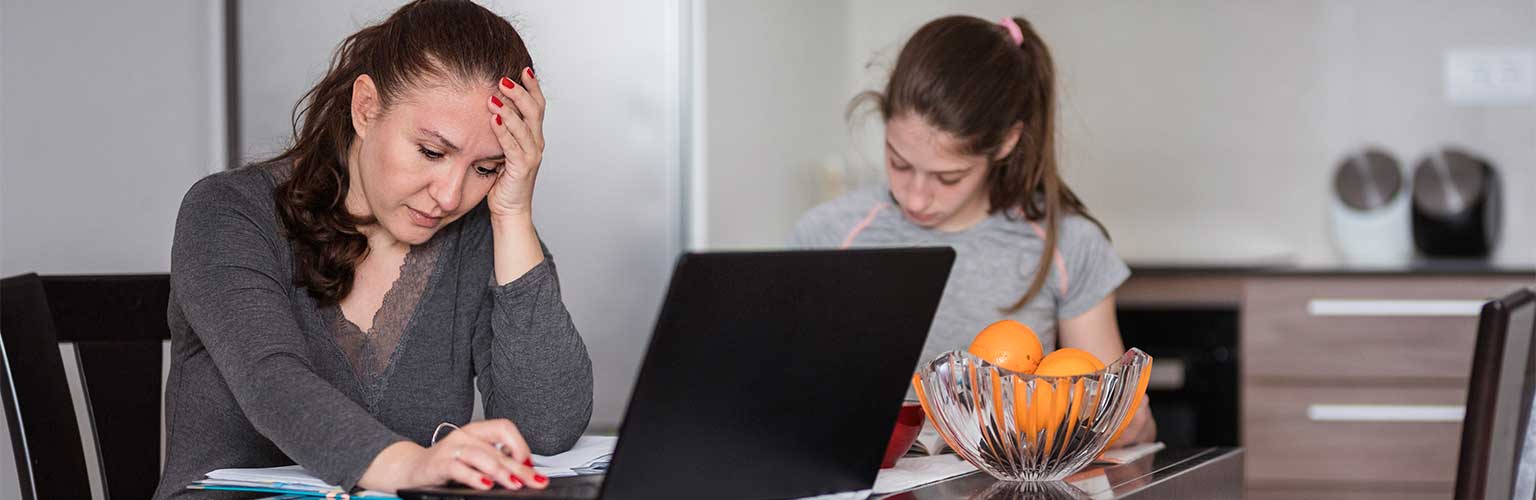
[(769, 375)]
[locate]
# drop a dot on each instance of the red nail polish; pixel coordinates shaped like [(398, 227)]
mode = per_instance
[(496, 101), (516, 483), (507, 82), (498, 119), (485, 481), (528, 461), (540, 478), (530, 72)]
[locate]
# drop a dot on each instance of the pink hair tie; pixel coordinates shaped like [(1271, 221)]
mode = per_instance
[(1013, 30)]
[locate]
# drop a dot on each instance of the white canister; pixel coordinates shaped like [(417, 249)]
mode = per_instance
[(1370, 211)]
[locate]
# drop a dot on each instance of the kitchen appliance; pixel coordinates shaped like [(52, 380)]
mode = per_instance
[(1194, 390), (1369, 210), (1456, 205)]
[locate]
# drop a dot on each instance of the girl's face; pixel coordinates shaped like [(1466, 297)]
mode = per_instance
[(425, 162), (936, 187)]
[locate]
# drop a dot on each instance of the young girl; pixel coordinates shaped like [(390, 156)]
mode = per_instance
[(970, 154), (333, 306)]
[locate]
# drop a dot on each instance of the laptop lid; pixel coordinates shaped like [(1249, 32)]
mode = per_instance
[(776, 374)]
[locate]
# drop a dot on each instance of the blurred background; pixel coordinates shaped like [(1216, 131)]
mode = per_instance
[(1202, 133)]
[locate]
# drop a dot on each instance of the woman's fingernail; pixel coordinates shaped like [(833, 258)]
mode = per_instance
[(530, 72), (540, 478), (516, 483), (528, 461), (498, 119), (507, 82), (496, 101), (485, 481)]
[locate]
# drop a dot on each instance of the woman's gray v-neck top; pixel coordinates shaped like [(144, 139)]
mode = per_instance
[(261, 376)]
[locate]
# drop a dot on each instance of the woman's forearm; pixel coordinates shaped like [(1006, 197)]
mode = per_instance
[(391, 468), (516, 247)]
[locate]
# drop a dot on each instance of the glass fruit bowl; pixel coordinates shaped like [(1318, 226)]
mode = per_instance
[(1024, 427)]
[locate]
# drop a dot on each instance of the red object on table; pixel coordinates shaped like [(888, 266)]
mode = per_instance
[(908, 423)]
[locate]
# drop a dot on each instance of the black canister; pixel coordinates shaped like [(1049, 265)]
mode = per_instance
[(1456, 205)]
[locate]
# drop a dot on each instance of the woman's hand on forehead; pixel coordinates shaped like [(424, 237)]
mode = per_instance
[(517, 118)]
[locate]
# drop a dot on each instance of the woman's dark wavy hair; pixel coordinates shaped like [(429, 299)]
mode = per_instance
[(967, 77), (424, 42)]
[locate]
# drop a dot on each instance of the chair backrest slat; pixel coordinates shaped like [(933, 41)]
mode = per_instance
[(122, 383), (50, 462)]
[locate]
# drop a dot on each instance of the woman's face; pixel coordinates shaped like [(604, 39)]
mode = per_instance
[(424, 162), (936, 187)]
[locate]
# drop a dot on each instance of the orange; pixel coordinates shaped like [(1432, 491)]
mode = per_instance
[(1141, 390), (1052, 407), (1069, 361), (1008, 344)]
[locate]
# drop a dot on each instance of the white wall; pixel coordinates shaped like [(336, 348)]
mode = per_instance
[(106, 124), (108, 112), (1197, 131), (773, 118)]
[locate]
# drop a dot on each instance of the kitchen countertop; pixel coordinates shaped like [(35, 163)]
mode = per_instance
[(1421, 267)]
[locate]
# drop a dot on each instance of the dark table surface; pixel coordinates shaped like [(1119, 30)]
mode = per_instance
[(1187, 473)]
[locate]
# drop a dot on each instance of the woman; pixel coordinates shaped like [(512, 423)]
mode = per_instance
[(970, 155), (332, 306)]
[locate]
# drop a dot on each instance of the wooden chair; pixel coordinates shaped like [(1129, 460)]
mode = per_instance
[(1499, 399)]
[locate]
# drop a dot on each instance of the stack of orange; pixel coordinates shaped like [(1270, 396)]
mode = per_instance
[(1015, 347)]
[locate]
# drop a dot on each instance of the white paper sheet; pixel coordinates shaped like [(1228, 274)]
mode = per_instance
[(911, 472), (589, 453), (1129, 454)]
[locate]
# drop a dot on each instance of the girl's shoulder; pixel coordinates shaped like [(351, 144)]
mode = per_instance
[(1078, 228), (1071, 228), (823, 224), (853, 205)]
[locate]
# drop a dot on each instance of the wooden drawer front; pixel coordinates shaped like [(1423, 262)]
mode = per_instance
[(1352, 492), (1288, 445), (1324, 329), (1180, 291)]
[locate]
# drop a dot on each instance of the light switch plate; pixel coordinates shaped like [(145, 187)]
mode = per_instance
[(1490, 76)]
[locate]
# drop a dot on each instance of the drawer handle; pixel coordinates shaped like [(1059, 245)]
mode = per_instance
[(1167, 375), (1368, 307), (1386, 413)]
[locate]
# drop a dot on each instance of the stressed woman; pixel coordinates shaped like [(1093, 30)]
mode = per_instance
[(970, 159), (332, 306)]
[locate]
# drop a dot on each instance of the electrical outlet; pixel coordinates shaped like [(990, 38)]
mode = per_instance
[(1490, 76)]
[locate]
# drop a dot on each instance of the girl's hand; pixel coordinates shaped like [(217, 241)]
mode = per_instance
[(1142, 428), (478, 455), (517, 117)]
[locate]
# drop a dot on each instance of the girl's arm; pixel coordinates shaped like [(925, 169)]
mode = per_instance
[(1097, 332)]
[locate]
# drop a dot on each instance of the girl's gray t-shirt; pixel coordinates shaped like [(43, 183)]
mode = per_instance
[(995, 261)]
